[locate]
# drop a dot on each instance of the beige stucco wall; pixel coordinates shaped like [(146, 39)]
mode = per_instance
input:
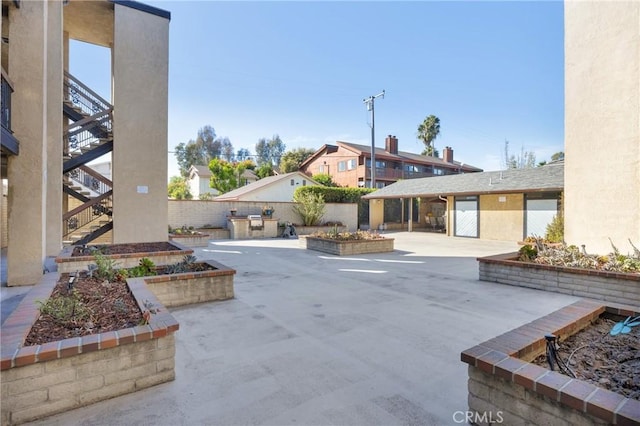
[(602, 124), (140, 97), (502, 217), (35, 62), (376, 213), (280, 191)]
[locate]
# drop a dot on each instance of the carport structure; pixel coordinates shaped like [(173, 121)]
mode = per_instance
[(499, 205)]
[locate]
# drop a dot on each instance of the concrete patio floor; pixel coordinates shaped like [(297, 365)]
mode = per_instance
[(314, 339)]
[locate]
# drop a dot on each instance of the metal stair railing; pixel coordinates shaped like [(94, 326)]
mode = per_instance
[(89, 179), (88, 215), (78, 95)]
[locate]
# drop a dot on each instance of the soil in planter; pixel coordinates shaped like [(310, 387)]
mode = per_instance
[(124, 248), (610, 362), (111, 305)]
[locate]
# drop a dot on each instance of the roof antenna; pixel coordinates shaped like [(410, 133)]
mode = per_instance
[(489, 181), (500, 174)]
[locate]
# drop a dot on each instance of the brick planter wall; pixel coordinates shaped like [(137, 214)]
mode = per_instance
[(216, 233), (67, 263), (192, 240), (613, 287), (503, 382), (193, 287), (42, 380), (347, 248)]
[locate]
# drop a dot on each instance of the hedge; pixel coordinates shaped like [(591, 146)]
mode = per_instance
[(336, 195)]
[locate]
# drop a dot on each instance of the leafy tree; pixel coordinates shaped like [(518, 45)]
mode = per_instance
[(558, 156), (205, 148), (524, 160), (324, 179), (225, 176), (291, 160), (264, 171), (178, 189), (226, 149), (269, 151), (428, 131), (243, 154)]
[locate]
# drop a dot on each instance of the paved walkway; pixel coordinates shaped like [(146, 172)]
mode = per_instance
[(321, 340)]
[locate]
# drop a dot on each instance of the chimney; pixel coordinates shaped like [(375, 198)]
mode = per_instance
[(447, 154), (391, 144)]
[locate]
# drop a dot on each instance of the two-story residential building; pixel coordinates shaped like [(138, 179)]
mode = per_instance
[(349, 164), (54, 124)]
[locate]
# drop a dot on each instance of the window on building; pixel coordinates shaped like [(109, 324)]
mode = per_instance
[(351, 164), (304, 182), (342, 166), (292, 182), (438, 171), (321, 168)]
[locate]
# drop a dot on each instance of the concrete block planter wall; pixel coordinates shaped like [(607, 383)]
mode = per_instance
[(190, 240), (504, 385), (308, 230), (193, 287), (616, 287), (42, 380), (68, 263), (216, 233), (347, 248)]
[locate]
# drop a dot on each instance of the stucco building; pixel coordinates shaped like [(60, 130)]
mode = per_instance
[(53, 125), (500, 205), (278, 188), (349, 164), (602, 124)]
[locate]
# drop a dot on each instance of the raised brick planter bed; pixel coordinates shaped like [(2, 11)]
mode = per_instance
[(347, 248), (216, 233), (68, 263), (308, 230), (193, 287), (39, 381), (190, 240), (616, 287), (504, 384)]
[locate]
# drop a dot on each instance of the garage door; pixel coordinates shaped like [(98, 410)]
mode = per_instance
[(540, 213), (466, 217)]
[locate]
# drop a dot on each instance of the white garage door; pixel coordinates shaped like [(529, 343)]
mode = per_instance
[(540, 213), (466, 219)]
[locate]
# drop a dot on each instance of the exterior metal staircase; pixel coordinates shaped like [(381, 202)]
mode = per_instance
[(87, 136)]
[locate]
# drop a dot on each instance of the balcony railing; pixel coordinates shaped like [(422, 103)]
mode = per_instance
[(396, 174), (9, 142)]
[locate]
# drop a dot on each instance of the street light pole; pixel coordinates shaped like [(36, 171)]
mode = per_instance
[(370, 107)]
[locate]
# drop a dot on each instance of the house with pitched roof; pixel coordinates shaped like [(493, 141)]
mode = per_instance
[(349, 164), (501, 205), (278, 188), (200, 177)]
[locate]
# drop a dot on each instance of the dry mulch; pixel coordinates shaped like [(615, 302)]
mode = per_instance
[(112, 308), (124, 248), (610, 362)]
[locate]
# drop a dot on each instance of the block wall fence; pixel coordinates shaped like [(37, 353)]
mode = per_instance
[(198, 213)]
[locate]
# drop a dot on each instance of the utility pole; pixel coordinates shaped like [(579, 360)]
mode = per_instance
[(370, 107)]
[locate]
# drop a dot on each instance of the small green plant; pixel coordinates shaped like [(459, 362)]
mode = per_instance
[(527, 253), (180, 267), (145, 268), (309, 206), (106, 268), (67, 310)]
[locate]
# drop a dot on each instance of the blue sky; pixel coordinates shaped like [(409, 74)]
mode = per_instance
[(489, 70)]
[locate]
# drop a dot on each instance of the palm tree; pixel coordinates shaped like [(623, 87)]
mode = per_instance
[(428, 131)]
